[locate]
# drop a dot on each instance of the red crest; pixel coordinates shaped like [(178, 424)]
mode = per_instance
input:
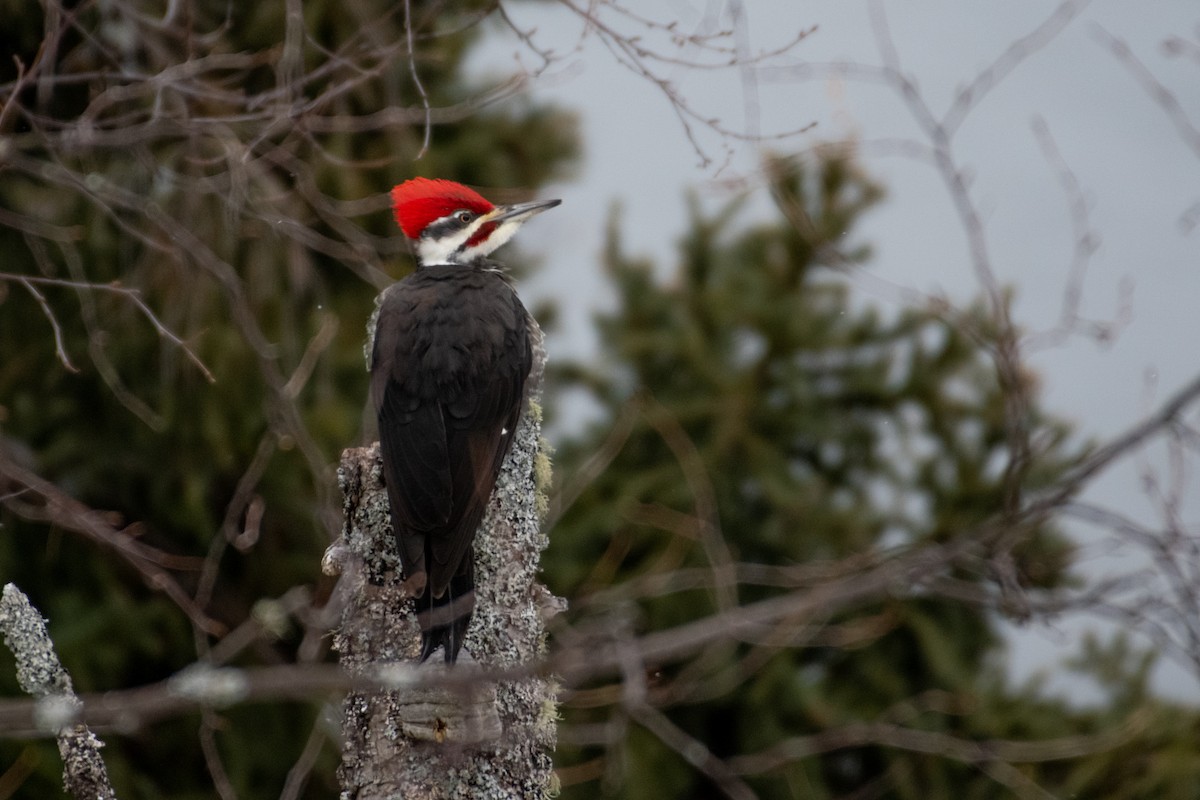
[(420, 201)]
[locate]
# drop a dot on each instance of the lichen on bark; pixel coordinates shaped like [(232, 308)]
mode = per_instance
[(493, 740)]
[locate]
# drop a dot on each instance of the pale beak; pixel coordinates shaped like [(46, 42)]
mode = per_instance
[(520, 211)]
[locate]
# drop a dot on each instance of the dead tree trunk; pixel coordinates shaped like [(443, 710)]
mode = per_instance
[(495, 739), (41, 674)]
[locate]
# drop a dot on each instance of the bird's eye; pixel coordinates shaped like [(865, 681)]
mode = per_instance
[(465, 216)]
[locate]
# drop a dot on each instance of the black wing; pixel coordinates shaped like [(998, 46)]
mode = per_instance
[(452, 354)]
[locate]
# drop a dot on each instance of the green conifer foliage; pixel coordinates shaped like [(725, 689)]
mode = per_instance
[(776, 419)]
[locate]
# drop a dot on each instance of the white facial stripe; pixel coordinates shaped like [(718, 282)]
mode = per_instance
[(440, 251), (446, 250)]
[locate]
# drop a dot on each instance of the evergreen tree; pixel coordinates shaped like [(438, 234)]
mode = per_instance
[(232, 164), (779, 418)]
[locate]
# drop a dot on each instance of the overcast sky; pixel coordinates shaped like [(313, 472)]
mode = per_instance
[(1137, 172)]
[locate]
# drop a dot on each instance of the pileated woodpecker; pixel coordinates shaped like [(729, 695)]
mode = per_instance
[(451, 356)]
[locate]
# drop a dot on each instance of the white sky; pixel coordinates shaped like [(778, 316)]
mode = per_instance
[(1138, 175)]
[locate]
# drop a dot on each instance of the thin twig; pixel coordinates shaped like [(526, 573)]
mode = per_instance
[(134, 296), (297, 776), (412, 68), (64, 511), (59, 349)]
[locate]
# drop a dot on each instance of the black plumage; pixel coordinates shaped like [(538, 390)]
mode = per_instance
[(451, 357)]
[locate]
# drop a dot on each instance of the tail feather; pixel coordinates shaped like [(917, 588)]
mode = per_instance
[(444, 620)]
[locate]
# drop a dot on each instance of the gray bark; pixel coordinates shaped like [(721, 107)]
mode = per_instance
[(41, 674), (492, 740)]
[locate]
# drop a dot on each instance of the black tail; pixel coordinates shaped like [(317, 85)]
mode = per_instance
[(444, 619)]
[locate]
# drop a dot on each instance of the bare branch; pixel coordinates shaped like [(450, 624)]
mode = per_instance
[(412, 68), (694, 752), (714, 52), (59, 349), (941, 744), (133, 295), (1017, 52), (298, 774), (60, 509), (1159, 93), (1086, 241)]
